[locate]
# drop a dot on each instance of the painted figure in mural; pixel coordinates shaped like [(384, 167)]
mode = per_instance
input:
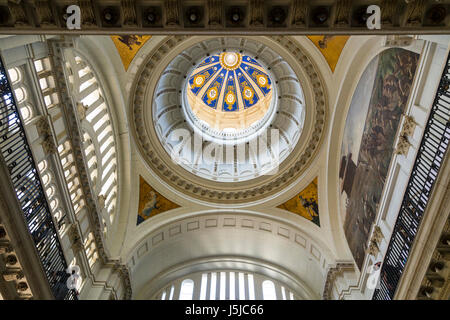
[(312, 208), (130, 40), (151, 205), (323, 44)]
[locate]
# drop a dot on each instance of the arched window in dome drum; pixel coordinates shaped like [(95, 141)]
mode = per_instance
[(187, 289)]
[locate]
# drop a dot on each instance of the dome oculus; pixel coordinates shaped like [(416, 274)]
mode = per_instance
[(229, 91)]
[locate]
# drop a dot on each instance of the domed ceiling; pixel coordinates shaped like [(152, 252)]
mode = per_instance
[(244, 100)]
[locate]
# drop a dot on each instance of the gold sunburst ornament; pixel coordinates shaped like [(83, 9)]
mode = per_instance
[(263, 82), (212, 94), (199, 80), (230, 98), (230, 60), (248, 94)]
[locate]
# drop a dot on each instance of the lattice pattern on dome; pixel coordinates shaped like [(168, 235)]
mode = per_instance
[(229, 90)]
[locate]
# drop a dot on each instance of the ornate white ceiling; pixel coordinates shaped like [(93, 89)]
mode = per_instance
[(298, 114)]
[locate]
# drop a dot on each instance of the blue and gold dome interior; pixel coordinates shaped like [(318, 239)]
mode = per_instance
[(229, 91)]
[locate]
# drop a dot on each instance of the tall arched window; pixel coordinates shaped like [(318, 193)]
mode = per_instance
[(187, 290), (268, 289)]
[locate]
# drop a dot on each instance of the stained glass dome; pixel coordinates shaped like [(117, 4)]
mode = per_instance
[(229, 91)]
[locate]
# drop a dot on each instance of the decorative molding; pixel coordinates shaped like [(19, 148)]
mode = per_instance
[(44, 13), (389, 11), (172, 13), (11, 269), (75, 238), (257, 13), (342, 13), (332, 274), (407, 130), (87, 13), (215, 12), (398, 41), (398, 16), (18, 13), (45, 132), (414, 13), (81, 110), (129, 12), (299, 13)]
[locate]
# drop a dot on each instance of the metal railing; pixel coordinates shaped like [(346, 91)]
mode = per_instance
[(429, 158), (16, 154)]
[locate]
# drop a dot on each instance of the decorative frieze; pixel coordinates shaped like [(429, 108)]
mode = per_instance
[(398, 41), (332, 274), (18, 13), (407, 130), (256, 13), (129, 12), (299, 13), (342, 13), (398, 15), (172, 13), (87, 13), (75, 238), (44, 13), (195, 189), (375, 241), (12, 269), (81, 110), (45, 132), (215, 12)]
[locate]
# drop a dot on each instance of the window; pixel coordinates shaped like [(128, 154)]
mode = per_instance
[(172, 289), (212, 294), (251, 287), (187, 289), (241, 286), (223, 285), (203, 286), (232, 286), (268, 289), (14, 75), (20, 94)]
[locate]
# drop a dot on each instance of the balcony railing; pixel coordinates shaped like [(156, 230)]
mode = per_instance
[(16, 155), (429, 158)]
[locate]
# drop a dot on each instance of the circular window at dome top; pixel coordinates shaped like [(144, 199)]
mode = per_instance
[(229, 96)]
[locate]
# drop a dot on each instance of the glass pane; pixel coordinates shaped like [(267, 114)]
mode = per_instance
[(232, 286), (203, 286), (269, 290), (241, 286), (212, 294), (187, 290), (251, 287)]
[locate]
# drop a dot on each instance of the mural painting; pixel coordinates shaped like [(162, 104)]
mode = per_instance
[(367, 148), (305, 204), (151, 202), (128, 46), (331, 47)]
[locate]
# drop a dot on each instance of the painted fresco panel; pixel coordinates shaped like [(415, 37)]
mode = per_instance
[(368, 144)]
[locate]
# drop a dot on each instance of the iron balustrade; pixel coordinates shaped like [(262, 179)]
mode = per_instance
[(17, 156), (429, 158)]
